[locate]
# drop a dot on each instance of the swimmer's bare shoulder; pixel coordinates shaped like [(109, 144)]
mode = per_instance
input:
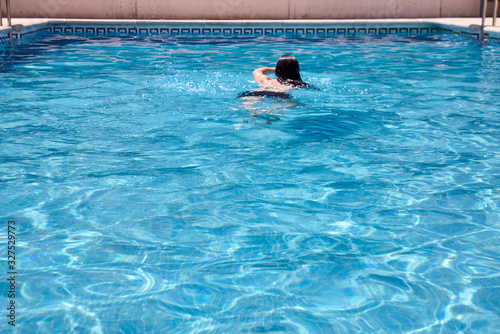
[(261, 78)]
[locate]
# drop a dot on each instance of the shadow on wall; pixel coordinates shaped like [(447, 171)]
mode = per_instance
[(245, 9), (489, 9)]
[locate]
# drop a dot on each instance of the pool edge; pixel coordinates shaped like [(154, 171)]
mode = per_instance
[(467, 27)]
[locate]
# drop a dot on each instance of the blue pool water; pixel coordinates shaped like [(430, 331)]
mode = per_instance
[(149, 198)]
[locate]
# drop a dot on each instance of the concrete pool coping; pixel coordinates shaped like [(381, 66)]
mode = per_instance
[(469, 27)]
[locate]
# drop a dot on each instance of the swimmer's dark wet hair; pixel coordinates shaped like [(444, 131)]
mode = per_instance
[(288, 72)]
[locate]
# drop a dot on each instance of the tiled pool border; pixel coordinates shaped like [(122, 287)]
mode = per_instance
[(320, 28)]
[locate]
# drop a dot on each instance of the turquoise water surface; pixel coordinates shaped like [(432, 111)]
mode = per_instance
[(149, 198)]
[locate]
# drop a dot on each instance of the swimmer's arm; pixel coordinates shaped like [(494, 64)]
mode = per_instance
[(260, 75)]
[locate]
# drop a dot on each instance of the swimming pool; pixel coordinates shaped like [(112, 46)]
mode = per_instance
[(149, 198)]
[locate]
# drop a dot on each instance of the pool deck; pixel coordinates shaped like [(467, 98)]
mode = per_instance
[(470, 25)]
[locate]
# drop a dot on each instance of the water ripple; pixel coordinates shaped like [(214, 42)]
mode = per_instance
[(150, 199)]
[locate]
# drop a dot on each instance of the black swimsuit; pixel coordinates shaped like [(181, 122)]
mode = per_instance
[(265, 93)]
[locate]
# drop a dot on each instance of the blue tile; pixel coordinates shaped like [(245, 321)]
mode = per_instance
[(266, 29)]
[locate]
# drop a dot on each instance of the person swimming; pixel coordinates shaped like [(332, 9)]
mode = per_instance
[(287, 78), (287, 73)]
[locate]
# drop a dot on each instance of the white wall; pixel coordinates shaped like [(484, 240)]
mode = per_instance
[(244, 9)]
